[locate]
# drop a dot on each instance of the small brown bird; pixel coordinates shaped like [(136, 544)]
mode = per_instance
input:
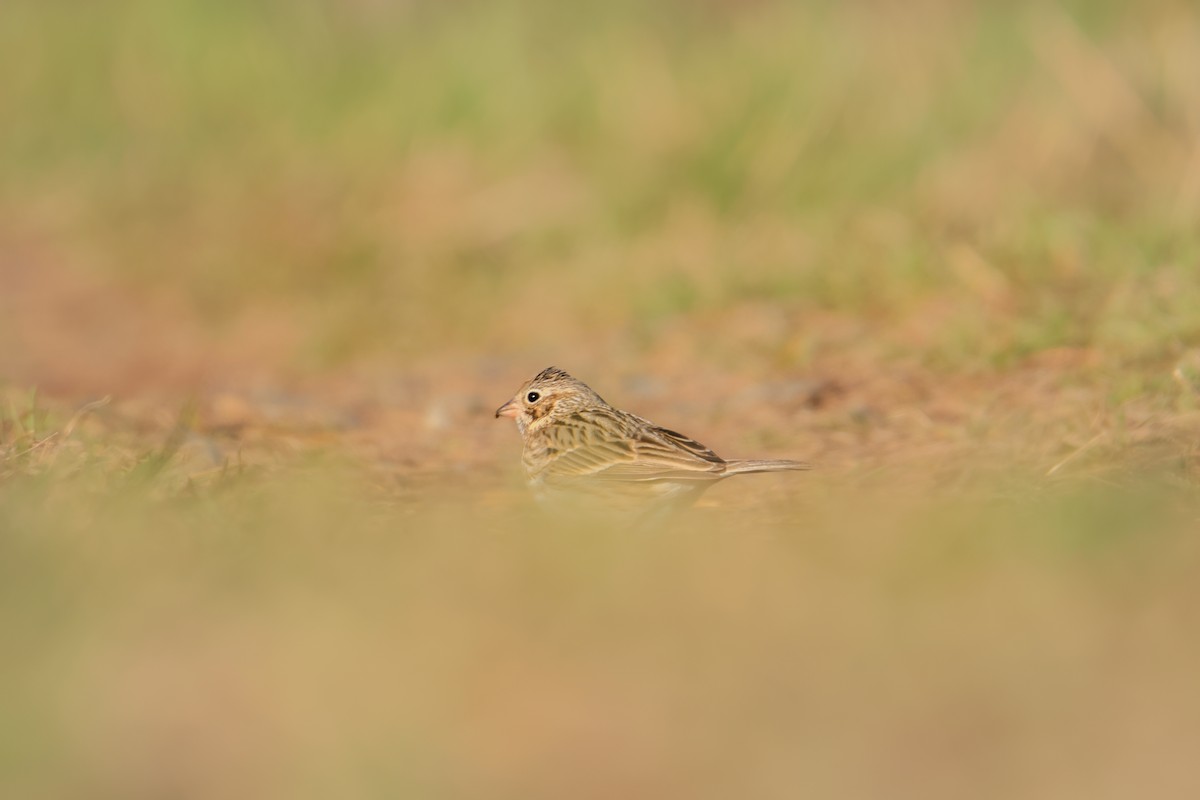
[(577, 445)]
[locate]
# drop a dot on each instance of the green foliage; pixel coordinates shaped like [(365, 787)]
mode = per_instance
[(271, 152)]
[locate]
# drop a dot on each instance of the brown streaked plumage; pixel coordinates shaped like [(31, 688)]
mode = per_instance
[(577, 444)]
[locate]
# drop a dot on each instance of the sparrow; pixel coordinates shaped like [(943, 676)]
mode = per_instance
[(578, 446)]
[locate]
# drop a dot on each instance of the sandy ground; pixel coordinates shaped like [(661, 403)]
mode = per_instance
[(855, 404)]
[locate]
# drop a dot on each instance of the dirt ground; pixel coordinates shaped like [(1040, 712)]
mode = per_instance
[(140, 363)]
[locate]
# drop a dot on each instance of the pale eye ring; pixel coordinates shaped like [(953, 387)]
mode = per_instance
[(533, 397)]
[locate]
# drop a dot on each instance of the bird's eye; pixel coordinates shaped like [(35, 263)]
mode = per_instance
[(533, 397)]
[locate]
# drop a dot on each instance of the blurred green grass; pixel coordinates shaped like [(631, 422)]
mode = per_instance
[(430, 174)]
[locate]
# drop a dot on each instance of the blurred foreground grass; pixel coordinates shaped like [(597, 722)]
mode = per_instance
[(296, 636), (947, 250), (948, 623)]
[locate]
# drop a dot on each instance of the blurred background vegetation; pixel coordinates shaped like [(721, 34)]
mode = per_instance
[(266, 267), (417, 175)]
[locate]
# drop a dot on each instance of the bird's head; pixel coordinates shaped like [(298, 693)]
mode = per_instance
[(549, 395)]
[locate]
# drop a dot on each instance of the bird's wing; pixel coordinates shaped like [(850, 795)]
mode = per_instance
[(610, 445)]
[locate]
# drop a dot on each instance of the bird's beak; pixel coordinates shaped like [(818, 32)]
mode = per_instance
[(509, 409)]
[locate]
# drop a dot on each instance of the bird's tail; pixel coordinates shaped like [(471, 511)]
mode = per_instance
[(763, 465)]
